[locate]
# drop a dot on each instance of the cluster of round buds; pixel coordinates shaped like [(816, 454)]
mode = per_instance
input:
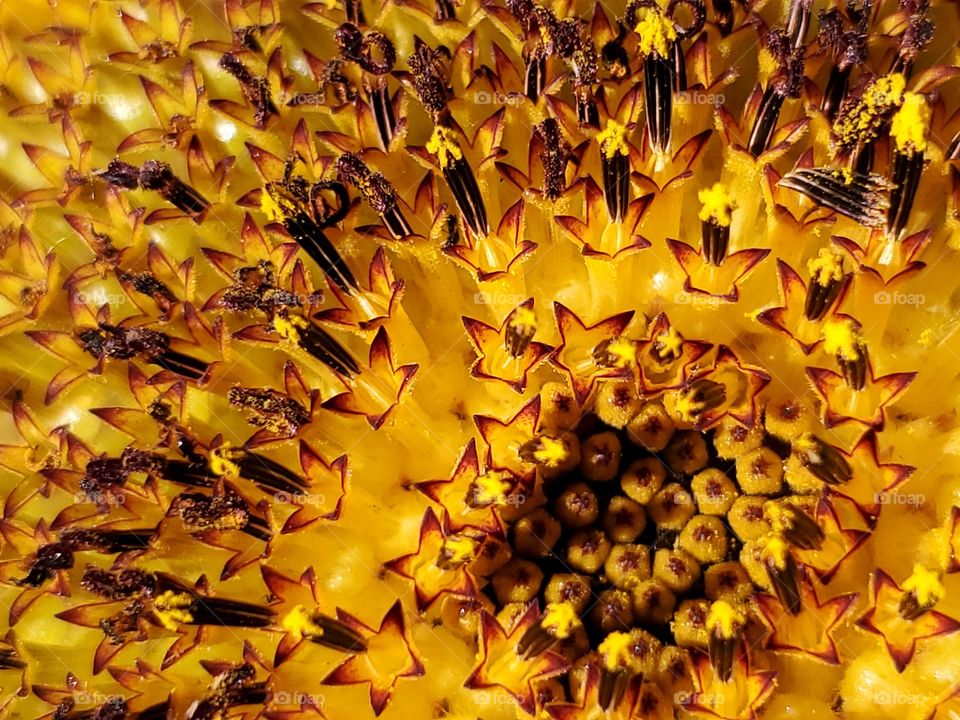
[(650, 528)]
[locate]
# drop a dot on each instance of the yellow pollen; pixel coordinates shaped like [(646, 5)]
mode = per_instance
[(671, 341), (840, 337), (300, 624), (458, 549), (862, 124), (551, 451), (687, 407), (775, 551), (623, 351), (271, 206), (846, 175), (275, 424), (724, 619), (717, 205), (221, 463), (656, 32), (363, 185), (544, 34), (523, 320), (560, 619), (911, 125), (170, 609), (613, 140), (231, 521), (768, 64), (289, 327), (779, 517), (925, 585), (444, 146), (490, 489), (826, 267), (615, 651)]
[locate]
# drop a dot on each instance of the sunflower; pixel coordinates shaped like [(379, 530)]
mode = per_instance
[(501, 359)]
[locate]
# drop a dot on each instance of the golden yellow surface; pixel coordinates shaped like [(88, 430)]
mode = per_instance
[(76, 86)]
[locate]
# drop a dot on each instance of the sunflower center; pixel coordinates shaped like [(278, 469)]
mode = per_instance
[(656, 532)]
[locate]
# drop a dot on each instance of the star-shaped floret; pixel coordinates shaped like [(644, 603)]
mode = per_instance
[(873, 482), (507, 353), (790, 317), (741, 385), (500, 664), (324, 495), (440, 564), (596, 235), (291, 595), (789, 210), (707, 279), (504, 438), (176, 109), (640, 701), (257, 83), (886, 262), (300, 617), (376, 394), (740, 698), (40, 448), (736, 134), (472, 499), (666, 358), (390, 656), (140, 605), (67, 174), (839, 544), (489, 253), (547, 181), (885, 616), (257, 278), (496, 254), (575, 355), (163, 32), (809, 631), (97, 346), (370, 306), (866, 407)]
